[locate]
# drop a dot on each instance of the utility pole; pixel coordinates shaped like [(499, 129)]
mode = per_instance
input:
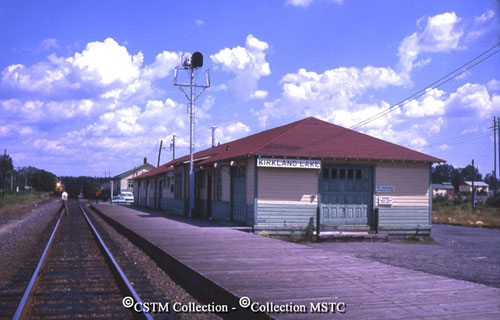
[(159, 154), (172, 147), (495, 155), (498, 141), (473, 191), (190, 63)]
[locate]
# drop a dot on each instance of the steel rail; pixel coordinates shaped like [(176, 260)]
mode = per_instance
[(119, 271), (26, 296)]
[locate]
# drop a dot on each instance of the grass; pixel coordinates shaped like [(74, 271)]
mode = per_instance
[(445, 212), (418, 239), (22, 198)]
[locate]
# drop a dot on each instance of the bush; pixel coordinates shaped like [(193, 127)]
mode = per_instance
[(457, 201), (493, 201), (440, 200)]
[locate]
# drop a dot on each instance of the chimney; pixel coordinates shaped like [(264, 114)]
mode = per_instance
[(213, 136), (145, 160)]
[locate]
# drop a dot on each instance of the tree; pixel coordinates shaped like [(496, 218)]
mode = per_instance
[(456, 178), (6, 166), (442, 173), (491, 180), (469, 173), (43, 180)]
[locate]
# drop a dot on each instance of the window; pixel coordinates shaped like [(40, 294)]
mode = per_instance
[(358, 174), (198, 183), (350, 174), (218, 184), (334, 173), (178, 186), (342, 173), (325, 173), (203, 179), (130, 184)]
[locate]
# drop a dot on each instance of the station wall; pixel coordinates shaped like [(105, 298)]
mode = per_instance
[(410, 211)]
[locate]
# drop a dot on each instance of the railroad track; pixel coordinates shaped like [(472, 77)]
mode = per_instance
[(76, 277)]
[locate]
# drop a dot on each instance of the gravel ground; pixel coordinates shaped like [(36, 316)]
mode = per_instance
[(17, 211), (462, 253), (20, 236), (132, 258)]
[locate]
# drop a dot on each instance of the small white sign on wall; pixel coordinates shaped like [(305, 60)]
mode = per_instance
[(385, 189), (384, 201)]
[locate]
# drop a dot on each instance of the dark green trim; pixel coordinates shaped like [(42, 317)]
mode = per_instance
[(430, 194), (255, 190), (374, 200)]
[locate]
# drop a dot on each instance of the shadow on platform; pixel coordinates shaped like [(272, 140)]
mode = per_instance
[(197, 222)]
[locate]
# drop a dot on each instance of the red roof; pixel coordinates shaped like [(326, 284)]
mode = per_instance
[(307, 138), (153, 172)]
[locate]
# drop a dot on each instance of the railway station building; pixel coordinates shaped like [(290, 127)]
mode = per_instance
[(281, 179)]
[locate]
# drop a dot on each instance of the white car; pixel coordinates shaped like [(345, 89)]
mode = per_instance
[(127, 196), (117, 199)]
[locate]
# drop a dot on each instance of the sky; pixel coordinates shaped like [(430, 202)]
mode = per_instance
[(86, 87)]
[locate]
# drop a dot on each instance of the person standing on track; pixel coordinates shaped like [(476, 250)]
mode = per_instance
[(64, 199), (96, 195)]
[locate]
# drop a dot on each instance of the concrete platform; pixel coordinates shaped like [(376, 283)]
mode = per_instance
[(221, 264), (351, 236)]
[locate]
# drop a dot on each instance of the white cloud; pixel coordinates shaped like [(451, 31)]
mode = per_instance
[(163, 65), (473, 100), (307, 3), (48, 145), (494, 85), (488, 15), (104, 94), (469, 130), (486, 26), (443, 147), (330, 95), (49, 43), (441, 33), (260, 94), (248, 64), (229, 132), (107, 62), (199, 22), (431, 104)]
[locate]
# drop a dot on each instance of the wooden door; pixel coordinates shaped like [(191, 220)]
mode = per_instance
[(346, 195), (238, 194)]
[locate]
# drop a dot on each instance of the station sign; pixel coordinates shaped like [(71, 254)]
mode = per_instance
[(384, 201), (288, 163), (385, 189)]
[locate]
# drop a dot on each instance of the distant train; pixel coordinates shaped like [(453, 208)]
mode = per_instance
[(59, 187)]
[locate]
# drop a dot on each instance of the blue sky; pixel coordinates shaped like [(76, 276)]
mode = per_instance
[(86, 86)]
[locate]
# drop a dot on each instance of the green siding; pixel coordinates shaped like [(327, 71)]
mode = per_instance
[(404, 220), (283, 218)]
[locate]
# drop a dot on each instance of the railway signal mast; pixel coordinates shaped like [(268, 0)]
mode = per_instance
[(191, 64)]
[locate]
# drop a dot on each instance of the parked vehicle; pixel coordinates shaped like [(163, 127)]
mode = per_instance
[(127, 196), (118, 199)]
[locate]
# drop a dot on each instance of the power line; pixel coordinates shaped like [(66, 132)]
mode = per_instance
[(438, 83), (460, 139), (456, 143)]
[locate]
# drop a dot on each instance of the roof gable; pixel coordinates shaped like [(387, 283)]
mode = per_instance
[(131, 171)]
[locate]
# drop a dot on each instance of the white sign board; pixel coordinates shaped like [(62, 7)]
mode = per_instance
[(384, 189), (288, 163), (384, 201)]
